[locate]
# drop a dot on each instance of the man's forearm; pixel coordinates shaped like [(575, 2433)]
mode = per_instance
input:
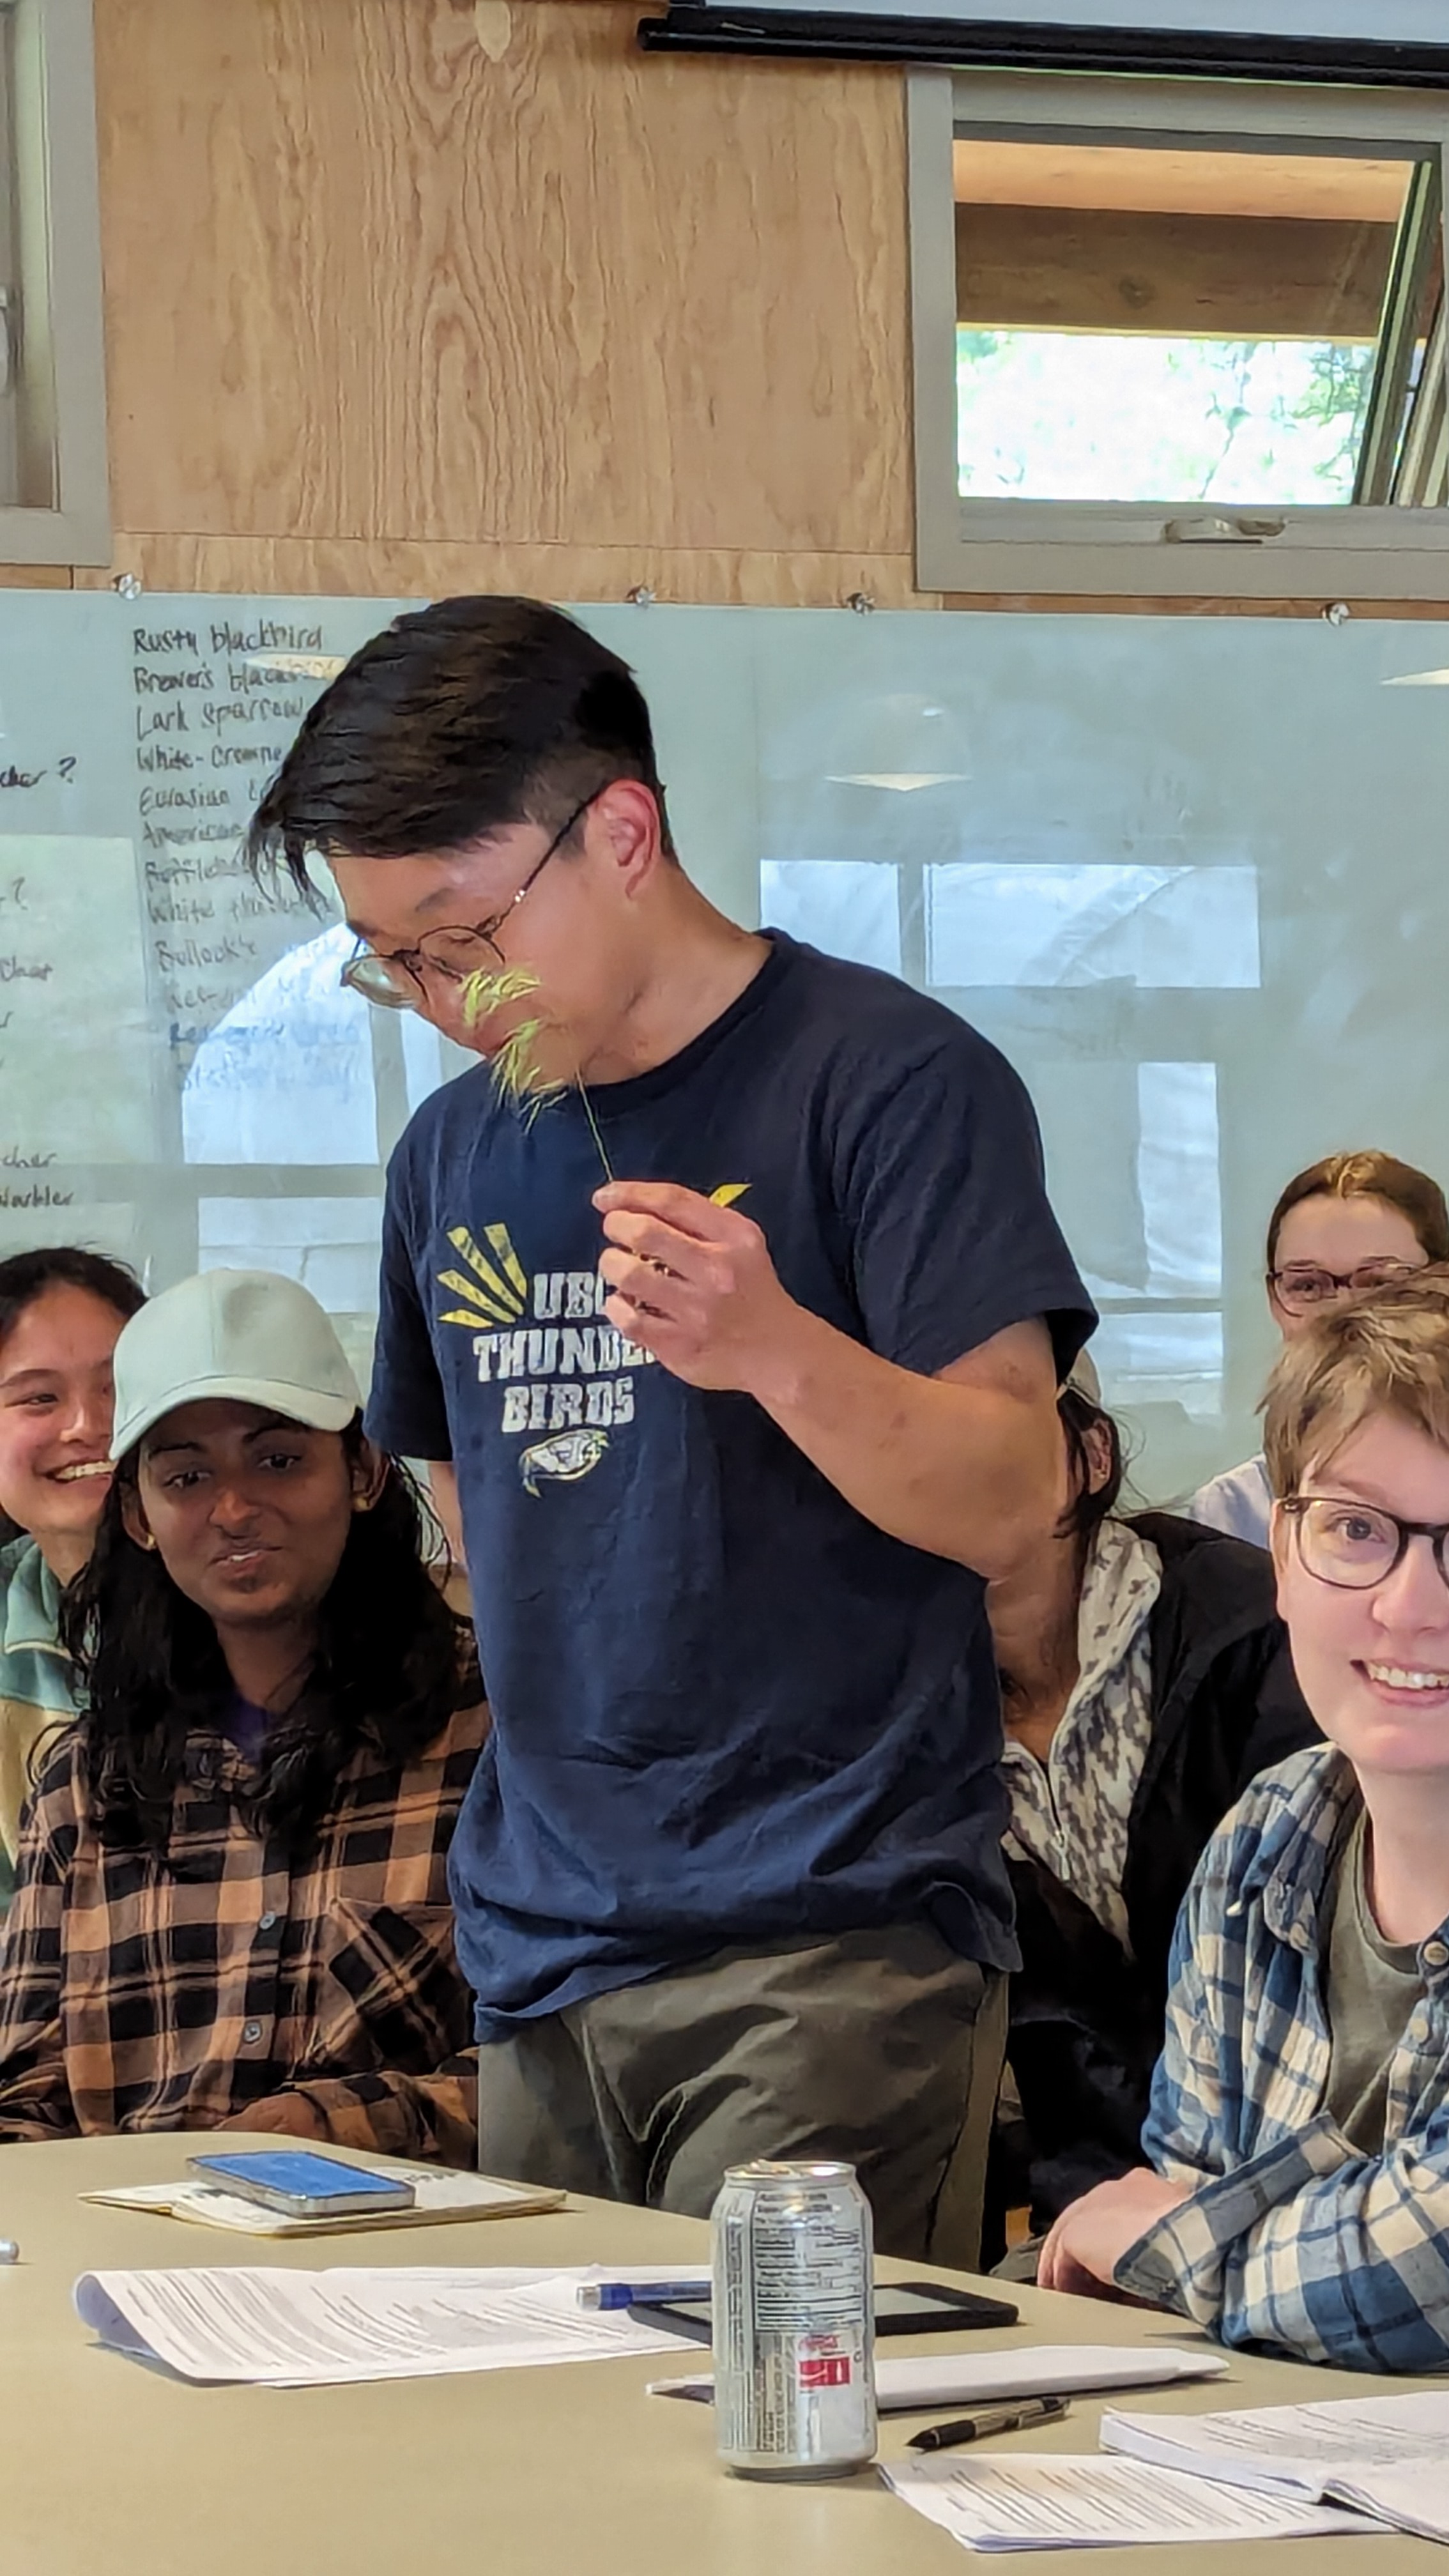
[(974, 1472)]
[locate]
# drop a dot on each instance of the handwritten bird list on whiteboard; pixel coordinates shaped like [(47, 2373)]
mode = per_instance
[(217, 697), (76, 1055), (141, 1021)]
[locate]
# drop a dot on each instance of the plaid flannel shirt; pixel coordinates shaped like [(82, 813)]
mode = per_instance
[(1292, 2238), (141, 1992)]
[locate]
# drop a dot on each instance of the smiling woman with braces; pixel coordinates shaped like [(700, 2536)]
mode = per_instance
[(61, 1313)]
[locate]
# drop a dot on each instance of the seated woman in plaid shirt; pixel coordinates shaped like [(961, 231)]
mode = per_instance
[(1296, 2193), (232, 1905)]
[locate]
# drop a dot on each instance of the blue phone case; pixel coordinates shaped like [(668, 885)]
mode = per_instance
[(303, 2176)]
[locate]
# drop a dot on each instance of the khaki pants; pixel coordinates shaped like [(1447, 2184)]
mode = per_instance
[(882, 2048)]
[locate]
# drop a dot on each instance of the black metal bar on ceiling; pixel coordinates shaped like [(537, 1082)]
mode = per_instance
[(711, 26)]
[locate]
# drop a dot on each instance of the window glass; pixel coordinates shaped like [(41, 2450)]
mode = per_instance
[(1232, 328), (1096, 923), (848, 907)]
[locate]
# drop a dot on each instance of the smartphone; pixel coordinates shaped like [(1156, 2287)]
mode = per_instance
[(901, 2308), (304, 2185)]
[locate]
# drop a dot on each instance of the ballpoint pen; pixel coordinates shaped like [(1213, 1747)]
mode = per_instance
[(639, 2294), (992, 2419)]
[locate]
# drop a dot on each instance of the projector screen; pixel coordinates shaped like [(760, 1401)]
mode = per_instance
[(1383, 22), (1403, 43)]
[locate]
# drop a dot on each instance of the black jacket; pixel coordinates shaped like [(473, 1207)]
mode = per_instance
[(1086, 2022)]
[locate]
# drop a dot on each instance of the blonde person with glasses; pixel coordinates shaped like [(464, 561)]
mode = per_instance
[(1295, 2193), (1350, 1223)]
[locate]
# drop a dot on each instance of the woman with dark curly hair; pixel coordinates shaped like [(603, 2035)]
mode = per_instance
[(1145, 1680), (232, 1904)]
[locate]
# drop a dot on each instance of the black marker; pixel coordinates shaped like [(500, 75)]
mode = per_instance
[(997, 2419)]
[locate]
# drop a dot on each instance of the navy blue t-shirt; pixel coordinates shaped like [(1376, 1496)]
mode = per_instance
[(727, 1708)]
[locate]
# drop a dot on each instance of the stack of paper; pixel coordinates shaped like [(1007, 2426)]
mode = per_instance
[(283, 2329), (439, 2198), (1389, 2456), (978, 2378), (1043, 2500)]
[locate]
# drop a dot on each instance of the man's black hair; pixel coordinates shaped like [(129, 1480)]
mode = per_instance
[(454, 722)]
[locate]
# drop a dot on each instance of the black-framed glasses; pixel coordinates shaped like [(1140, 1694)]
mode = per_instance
[(394, 981), (1303, 1286), (1353, 1545)]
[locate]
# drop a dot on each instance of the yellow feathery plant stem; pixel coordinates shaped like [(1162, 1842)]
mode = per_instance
[(594, 1130), (514, 1068)]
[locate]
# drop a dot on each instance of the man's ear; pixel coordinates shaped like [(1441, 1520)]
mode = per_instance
[(370, 1472), (133, 1519), (624, 821)]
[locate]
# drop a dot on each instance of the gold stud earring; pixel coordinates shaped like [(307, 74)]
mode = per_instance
[(148, 1542)]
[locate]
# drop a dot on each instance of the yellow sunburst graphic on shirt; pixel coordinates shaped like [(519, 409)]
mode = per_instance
[(497, 1290)]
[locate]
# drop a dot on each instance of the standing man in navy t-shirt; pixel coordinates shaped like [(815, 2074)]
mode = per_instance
[(733, 1438)]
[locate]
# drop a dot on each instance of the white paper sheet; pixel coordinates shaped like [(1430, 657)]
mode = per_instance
[(286, 2329), (1052, 2500), (1388, 2454), (1290, 2446), (1041, 2370)]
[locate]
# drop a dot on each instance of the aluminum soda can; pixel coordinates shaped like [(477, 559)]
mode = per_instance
[(794, 2327)]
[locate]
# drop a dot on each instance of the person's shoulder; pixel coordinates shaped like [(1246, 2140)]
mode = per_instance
[(876, 1044), (29, 1615), (454, 1747), (866, 1003), (12, 1552), (1202, 1563), (18, 1559), (455, 1110), (59, 1803), (467, 1730), (1284, 1816), (1238, 1502)]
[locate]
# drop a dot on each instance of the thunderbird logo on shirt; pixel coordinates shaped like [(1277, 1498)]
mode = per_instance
[(562, 1370)]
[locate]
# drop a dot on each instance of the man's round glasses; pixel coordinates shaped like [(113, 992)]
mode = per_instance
[(1303, 1286), (395, 981), (1355, 1545)]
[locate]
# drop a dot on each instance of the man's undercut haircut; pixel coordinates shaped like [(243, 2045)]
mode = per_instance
[(455, 722), (1386, 1351)]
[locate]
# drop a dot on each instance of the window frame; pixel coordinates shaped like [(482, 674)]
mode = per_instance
[(1119, 549), (59, 352)]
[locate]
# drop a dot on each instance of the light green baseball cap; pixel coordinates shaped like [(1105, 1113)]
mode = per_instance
[(245, 1334)]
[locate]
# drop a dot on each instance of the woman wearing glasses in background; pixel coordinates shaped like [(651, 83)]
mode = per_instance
[(1349, 1223)]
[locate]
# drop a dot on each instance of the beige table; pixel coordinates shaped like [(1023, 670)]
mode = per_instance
[(109, 2469)]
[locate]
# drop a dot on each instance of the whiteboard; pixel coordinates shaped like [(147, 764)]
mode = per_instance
[(1188, 873)]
